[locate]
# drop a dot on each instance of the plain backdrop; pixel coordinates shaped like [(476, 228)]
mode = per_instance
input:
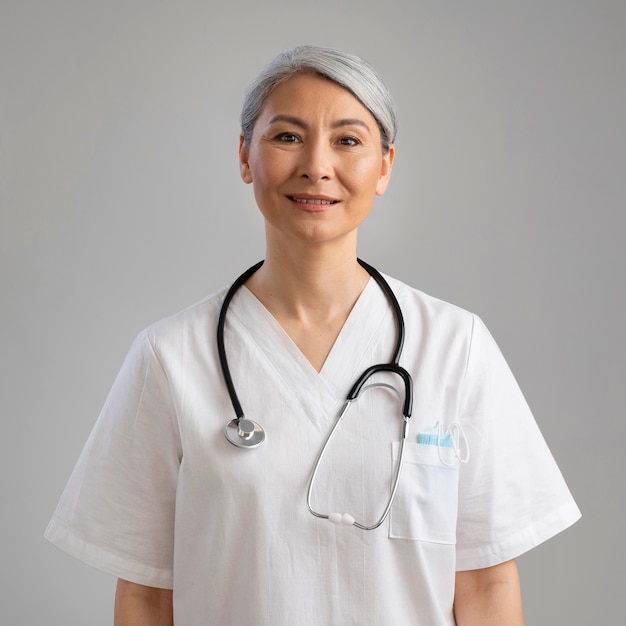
[(121, 203)]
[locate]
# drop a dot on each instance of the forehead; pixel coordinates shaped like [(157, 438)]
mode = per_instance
[(314, 96)]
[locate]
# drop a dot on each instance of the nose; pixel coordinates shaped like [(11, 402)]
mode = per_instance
[(316, 161)]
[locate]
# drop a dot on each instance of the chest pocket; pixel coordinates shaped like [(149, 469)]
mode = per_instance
[(426, 502)]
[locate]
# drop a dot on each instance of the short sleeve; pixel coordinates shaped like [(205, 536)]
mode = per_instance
[(117, 510), (512, 495)]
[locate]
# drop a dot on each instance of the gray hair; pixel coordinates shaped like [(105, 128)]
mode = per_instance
[(347, 70)]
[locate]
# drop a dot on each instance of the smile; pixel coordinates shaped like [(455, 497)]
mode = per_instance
[(319, 201)]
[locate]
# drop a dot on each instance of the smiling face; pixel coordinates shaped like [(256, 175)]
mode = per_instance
[(315, 161)]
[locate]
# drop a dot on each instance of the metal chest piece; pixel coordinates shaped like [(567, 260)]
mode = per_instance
[(244, 433)]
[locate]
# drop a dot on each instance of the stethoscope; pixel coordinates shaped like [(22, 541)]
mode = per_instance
[(245, 433)]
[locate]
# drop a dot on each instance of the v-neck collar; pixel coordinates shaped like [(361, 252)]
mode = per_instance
[(319, 393)]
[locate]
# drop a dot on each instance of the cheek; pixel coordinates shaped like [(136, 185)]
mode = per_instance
[(268, 169), (365, 175)]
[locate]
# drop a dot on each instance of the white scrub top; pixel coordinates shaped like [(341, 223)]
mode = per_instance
[(161, 498)]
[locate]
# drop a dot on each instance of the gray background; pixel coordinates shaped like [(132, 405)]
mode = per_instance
[(121, 203)]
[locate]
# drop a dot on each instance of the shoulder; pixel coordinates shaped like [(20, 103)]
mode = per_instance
[(437, 333), (196, 322), (436, 313)]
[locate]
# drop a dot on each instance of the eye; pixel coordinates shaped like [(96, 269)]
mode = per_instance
[(349, 140), (287, 138)]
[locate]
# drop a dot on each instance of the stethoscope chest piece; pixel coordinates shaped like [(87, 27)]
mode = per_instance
[(244, 433)]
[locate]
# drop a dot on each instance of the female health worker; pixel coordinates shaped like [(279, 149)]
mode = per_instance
[(199, 531)]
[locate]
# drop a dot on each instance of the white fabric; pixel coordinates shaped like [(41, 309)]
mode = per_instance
[(160, 497)]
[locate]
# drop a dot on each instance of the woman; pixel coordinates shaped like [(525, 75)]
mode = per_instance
[(162, 500)]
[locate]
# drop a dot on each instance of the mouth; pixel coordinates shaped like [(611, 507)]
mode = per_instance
[(309, 201)]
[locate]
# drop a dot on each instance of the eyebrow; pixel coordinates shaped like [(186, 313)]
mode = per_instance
[(350, 121)]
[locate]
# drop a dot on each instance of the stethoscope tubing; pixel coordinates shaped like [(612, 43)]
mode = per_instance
[(387, 367), (396, 480), (221, 349), (391, 297), (245, 433), (392, 366)]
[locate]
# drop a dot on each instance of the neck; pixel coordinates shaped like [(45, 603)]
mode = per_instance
[(310, 291), (311, 280)]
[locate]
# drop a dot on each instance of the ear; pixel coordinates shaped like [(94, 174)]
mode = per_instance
[(385, 170), (244, 167)]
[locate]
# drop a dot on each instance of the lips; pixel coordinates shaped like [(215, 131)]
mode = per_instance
[(313, 201)]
